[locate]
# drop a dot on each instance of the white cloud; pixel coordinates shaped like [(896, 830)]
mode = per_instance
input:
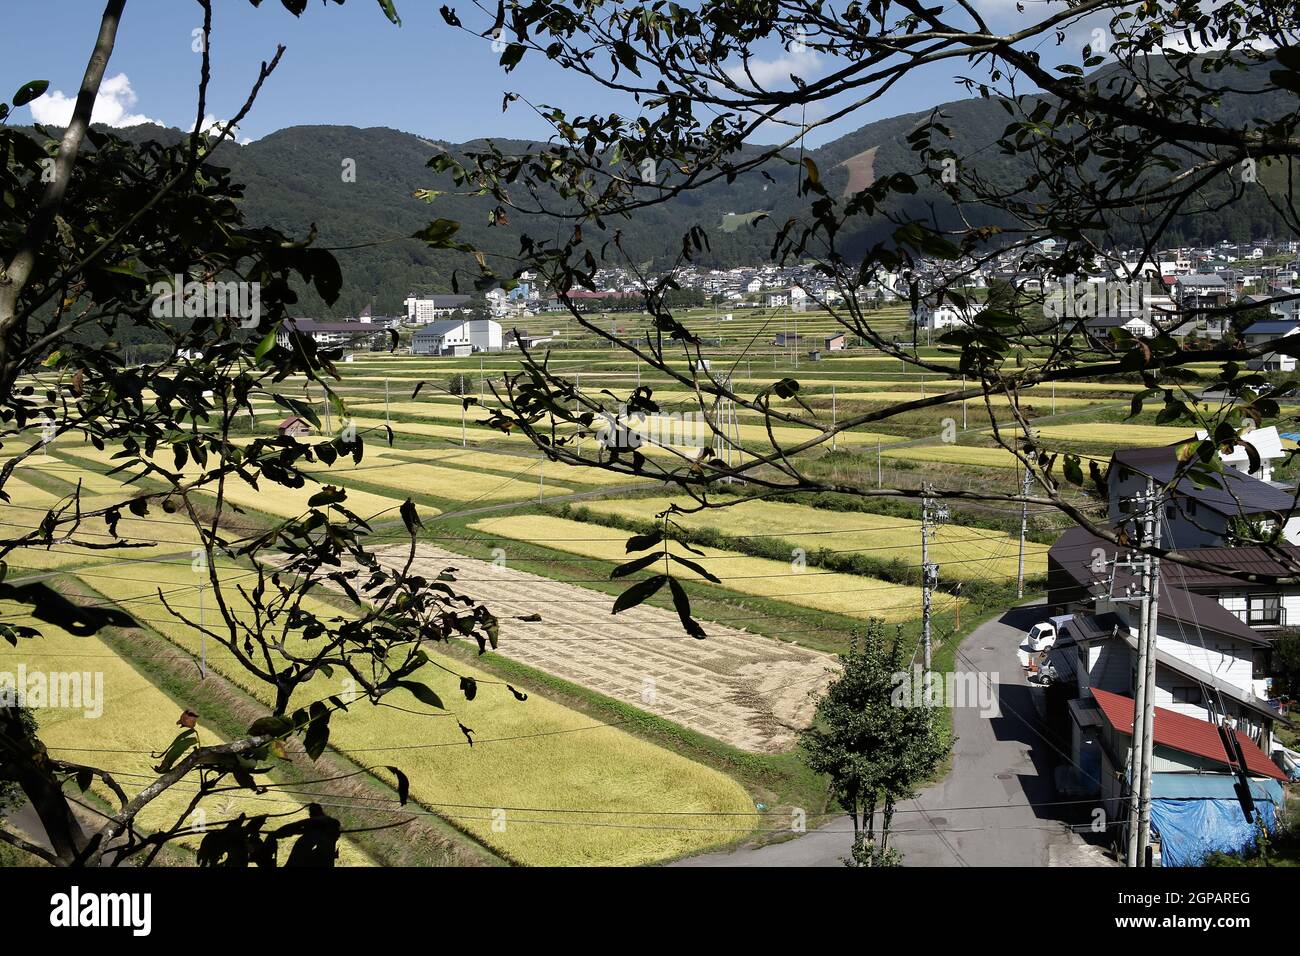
[(776, 72), (112, 106), (216, 126)]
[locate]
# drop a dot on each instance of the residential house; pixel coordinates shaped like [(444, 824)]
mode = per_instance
[(1195, 808), (947, 315), (1270, 330), (294, 427), (330, 334), (1266, 444), (1208, 669), (1197, 297), (1197, 517), (837, 342)]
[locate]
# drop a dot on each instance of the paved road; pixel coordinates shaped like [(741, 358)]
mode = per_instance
[(1001, 763)]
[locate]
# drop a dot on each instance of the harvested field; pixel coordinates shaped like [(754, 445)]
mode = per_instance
[(856, 595), (744, 689)]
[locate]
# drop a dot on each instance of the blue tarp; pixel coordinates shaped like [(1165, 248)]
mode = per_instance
[(1197, 814)]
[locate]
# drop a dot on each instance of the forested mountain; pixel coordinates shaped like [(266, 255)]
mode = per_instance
[(295, 177)]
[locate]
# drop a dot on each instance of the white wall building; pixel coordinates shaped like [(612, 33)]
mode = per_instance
[(457, 336), (423, 310)]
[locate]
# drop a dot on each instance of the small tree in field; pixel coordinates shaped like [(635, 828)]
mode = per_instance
[(874, 751)]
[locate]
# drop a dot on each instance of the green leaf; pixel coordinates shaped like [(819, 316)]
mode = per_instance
[(422, 693), (390, 11), (329, 495), (626, 55), (687, 562), (1073, 471), (439, 232), (639, 592), (639, 542), (635, 565), (511, 56), (29, 91), (276, 725), (264, 346), (318, 731), (410, 517), (184, 741), (682, 602), (403, 785)]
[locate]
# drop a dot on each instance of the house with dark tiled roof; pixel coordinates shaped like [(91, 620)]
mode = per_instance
[(1198, 516), (1210, 665), (1209, 662), (1266, 331)]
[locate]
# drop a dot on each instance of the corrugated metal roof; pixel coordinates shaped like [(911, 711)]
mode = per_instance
[(1187, 734)]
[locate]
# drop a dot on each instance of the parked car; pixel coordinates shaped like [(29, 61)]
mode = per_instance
[(1042, 636)]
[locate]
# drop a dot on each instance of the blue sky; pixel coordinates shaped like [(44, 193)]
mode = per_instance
[(345, 65)]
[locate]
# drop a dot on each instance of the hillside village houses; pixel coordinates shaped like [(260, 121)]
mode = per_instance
[(1214, 637)]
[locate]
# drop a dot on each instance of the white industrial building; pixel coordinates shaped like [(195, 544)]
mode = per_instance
[(457, 337)]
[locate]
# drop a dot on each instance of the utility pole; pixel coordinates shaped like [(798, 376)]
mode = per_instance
[(880, 476), (386, 421), (963, 402), (931, 511), (1140, 749), (1024, 528), (1151, 589), (203, 640), (834, 417)]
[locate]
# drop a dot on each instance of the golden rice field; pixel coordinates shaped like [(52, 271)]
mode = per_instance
[(455, 484), (442, 408), (553, 471), (137, 722), (28, 506), (277, 500), (1115, 433), (956, 455), (850, 594), (530, 754), (1037, 399), (964, 553), (475, 434)]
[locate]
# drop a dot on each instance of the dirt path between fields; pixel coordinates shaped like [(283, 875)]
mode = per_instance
[(744, 689)]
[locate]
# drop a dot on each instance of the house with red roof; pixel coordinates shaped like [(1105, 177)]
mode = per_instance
[(1195, 808)]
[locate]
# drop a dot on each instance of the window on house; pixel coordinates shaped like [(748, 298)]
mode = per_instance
[(1191, 506), (1187, 695), (1171, 511), (1264, 609), (1261, 663)]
